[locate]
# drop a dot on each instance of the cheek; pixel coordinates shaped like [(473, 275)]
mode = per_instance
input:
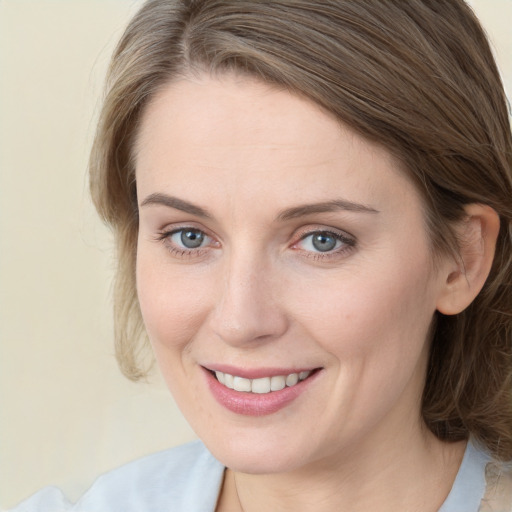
[(375, 330), (173, 302), (382, 314)]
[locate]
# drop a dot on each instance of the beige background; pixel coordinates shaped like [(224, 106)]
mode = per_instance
[(66, 413)]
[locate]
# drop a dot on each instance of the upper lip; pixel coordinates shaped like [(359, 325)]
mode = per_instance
[(257, 373)]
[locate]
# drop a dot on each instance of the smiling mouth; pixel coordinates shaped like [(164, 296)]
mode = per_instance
[(262, 385)]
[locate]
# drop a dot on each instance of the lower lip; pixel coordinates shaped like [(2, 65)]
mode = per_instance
[(254, 404)]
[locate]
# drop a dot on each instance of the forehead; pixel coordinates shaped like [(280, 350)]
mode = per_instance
[(232, 111), (238, 135)]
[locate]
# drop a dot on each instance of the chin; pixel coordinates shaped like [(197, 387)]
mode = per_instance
[(259, 454)]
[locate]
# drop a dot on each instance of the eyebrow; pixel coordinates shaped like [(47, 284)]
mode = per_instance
[(174, 202), (289, 213), (328, 206)]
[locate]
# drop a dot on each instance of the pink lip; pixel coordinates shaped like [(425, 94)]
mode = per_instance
[(253, 404)]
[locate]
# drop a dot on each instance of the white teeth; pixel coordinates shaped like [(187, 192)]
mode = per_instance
[(292, 379), (241, 384), (277, 383), (228, 380), (262, 385)]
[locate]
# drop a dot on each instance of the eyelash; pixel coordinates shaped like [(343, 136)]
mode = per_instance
[(348, 243), (181, 252)]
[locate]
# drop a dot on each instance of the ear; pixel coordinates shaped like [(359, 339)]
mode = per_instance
[(465, 277)]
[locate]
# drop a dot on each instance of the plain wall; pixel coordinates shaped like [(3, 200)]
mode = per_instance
[(66, 413)]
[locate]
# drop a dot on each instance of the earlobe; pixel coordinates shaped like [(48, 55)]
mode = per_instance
[(477, 235)]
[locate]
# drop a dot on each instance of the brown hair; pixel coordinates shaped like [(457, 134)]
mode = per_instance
[(418, 77)]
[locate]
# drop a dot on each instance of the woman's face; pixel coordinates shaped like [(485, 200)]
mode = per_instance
[(276, 245)]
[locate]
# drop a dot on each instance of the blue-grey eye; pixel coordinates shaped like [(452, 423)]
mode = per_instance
[(192, 238), (321, 241), (188, 238), (324, 242)]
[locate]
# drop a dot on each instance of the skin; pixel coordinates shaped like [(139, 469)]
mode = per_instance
[(257, 294)]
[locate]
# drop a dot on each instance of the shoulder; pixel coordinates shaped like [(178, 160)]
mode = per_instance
[(186, 478), (498, 488), (482, 484)]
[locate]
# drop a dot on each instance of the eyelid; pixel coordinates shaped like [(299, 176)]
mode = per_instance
[(174, 227), (305, 231), (206, 240), (349, 242), (165, 234)]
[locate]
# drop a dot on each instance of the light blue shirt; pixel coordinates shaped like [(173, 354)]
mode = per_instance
[(188, 479)]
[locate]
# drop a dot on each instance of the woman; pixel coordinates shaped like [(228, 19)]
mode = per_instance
[(313, 208)]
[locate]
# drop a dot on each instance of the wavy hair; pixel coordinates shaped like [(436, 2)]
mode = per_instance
[(417, 77)]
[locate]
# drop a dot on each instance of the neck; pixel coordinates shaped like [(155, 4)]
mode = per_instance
[(394, 474)]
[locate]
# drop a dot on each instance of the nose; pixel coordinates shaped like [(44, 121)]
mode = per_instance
[(248, 308)]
